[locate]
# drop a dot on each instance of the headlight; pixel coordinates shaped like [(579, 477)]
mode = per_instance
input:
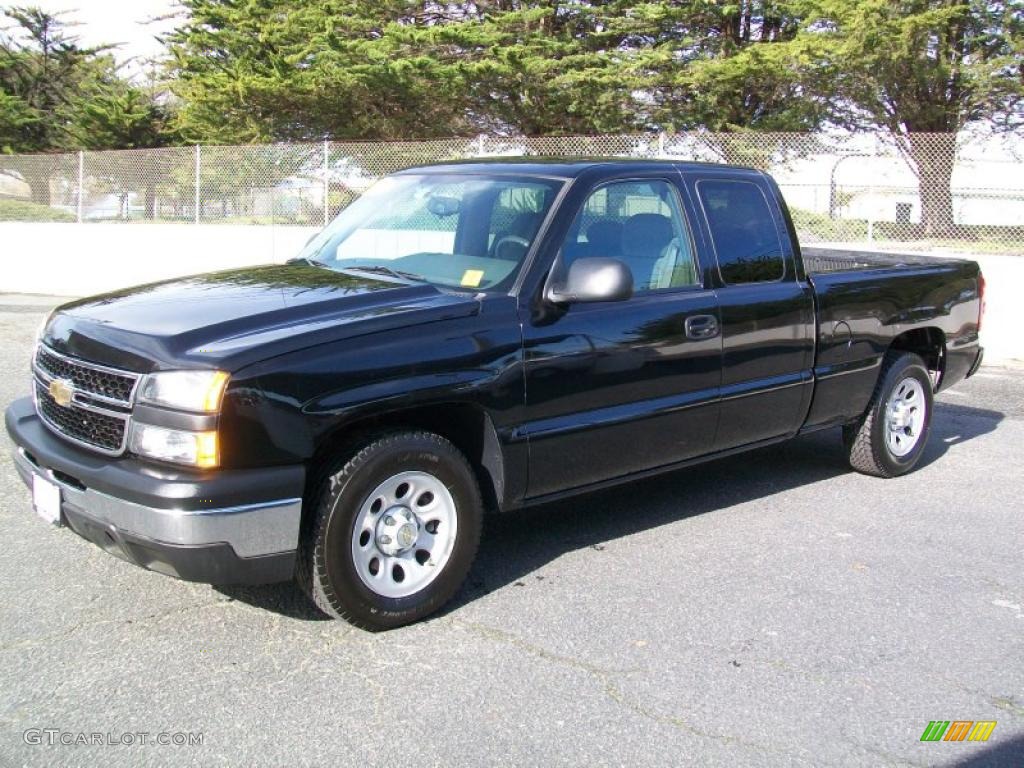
[(198, 449), (200, 391)]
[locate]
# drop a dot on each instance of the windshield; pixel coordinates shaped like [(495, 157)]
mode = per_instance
[(459, 231)]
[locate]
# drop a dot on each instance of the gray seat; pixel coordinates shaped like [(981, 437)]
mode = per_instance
[(604, 238), (644, 238)]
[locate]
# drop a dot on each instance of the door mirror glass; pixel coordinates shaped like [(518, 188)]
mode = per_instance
[(593, 279)]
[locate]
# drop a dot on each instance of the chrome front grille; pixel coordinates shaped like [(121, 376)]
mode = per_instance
[(104, 384), (95, 430), (99, 413)]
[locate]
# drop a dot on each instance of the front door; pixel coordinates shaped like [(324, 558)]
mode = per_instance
[(614, 388)]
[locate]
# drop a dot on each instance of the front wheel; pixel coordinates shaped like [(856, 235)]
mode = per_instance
[(889, 439), (392, 532)]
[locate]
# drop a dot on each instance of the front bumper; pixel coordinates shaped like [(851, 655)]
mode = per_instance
[(223, 527)]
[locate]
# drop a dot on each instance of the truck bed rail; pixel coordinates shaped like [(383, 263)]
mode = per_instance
[(818, 260)]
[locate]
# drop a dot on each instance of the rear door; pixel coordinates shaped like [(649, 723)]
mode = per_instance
[(615, 388), (767, 308)]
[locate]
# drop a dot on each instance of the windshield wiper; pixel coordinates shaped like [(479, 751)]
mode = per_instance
[(384, 270), (311, 262), (380, 269)]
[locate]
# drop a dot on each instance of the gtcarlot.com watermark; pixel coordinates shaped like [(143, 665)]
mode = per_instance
[(53, 737)]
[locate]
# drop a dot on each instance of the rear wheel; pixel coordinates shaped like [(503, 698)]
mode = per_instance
[(889, 439), (393, 531)]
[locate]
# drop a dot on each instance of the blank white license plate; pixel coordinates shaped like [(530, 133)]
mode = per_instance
[(46, 499)]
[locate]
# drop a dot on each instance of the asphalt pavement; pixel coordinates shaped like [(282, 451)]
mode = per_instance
[(770, 609)]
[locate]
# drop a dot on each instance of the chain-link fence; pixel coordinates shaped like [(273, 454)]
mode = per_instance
[(931, 191)]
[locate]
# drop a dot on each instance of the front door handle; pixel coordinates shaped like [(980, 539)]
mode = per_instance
[(701, 327)]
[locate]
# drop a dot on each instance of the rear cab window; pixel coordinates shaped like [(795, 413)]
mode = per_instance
[(743, 231)]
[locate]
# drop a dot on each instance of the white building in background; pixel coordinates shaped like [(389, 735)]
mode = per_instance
[(987, 185)]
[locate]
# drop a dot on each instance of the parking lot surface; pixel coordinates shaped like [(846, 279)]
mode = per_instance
[(770, 609)]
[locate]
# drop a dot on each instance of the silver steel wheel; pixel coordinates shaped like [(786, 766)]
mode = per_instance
[(905, 415), (404, 534)]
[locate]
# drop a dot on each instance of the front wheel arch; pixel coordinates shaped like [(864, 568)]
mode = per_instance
[(465, 425)]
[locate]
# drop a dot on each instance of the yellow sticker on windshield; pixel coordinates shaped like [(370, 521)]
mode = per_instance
[(471, 277)]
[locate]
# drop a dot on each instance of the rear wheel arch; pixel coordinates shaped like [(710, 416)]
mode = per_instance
[(927, 343)]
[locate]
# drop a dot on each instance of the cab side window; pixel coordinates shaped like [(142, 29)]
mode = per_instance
[(742, 228), (641, 224)]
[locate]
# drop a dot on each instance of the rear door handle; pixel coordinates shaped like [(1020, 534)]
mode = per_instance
[(701, 327)]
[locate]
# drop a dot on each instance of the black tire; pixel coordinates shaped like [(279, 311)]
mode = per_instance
[(326, 569), (865, 440)]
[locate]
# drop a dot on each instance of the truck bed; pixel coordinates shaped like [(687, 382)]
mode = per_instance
[(865, 299)]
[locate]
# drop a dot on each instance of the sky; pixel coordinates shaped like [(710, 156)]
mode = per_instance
[(115, 21)]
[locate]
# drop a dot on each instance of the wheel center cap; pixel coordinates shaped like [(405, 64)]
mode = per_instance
[(406, 536), (397, 531), (900, 418)]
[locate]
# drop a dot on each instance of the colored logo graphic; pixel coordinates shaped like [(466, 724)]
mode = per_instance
[(958, 730)]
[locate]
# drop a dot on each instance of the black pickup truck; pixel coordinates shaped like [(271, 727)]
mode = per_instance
[(470, 337)]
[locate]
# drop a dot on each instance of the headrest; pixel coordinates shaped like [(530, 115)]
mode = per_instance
[(605, 237), (523, 225)]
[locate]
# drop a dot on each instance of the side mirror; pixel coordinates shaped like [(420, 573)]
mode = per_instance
[(593, 279)]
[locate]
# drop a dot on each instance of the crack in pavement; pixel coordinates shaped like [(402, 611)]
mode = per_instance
[(85, 624), (615, 694)]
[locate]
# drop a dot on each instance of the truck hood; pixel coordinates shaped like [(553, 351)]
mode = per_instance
[(231, 319)]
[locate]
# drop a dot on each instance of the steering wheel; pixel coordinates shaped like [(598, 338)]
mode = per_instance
[(507, 239)]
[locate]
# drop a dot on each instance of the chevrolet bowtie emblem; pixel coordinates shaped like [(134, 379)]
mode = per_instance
[(62, 390)]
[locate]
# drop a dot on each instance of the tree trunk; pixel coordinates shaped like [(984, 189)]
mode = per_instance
[(934, 155), (150, 202)]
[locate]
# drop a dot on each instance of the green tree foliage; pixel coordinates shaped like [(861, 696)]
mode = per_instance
[(734, 66), (120, 115), (56, 91), (350, 69), (42, 71), (117, 114), (737, 68), (268, 70), (541, 68), (56, 95), (255, 71), (16, 120), (917, 67)]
